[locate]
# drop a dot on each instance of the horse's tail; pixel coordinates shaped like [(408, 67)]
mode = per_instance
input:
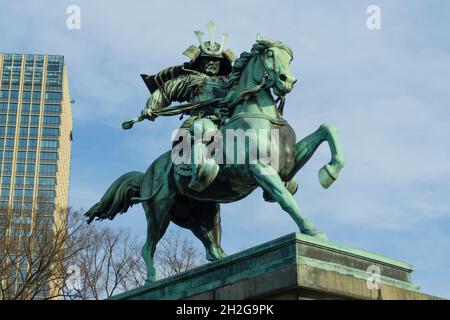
[(117, 199)]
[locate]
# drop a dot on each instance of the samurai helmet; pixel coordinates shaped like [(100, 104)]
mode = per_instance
[(211, 49)]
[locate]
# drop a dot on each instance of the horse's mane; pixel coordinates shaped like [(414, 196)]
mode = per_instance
[(243, 60)]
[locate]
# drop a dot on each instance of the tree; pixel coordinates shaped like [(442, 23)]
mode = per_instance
[(34, 248), (108, 263), (176, 254), (48, 255)]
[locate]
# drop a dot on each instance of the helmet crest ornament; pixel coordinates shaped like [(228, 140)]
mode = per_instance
[(211, 47)]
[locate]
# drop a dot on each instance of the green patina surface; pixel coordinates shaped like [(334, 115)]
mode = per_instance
[(271, 257), (351, 251), (222, 98)]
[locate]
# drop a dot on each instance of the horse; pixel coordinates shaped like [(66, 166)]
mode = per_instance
[(165, 195)]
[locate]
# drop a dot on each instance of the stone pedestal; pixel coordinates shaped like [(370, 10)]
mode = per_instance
[(291, 267)]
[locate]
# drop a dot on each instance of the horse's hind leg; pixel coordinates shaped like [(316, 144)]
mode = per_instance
[(158, 219), (217, 229), (208, 231), (203, 219)]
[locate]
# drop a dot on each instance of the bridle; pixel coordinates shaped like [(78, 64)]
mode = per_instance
[(266, 82)]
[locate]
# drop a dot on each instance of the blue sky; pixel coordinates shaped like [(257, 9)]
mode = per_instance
[(386, 91)]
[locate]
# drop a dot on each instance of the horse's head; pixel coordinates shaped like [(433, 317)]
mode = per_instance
[(275, 58), (267, 65)]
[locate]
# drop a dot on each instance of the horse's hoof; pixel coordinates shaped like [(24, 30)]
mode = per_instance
[(222, 253), (212, 258), (215, 254), (320, 235), (326, 176), (316, 234), (151, 277)]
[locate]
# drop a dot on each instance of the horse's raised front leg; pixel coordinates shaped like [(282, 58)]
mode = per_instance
[(270, 182), (305, 148)]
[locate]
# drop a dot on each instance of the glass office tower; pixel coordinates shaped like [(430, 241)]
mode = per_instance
[(35, 140)]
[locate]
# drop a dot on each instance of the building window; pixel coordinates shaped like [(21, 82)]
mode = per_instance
[(49, 144), (18, 181), (18, 193), (17, 60), (28, 193), (4, 193), (50, 132), (20, 168), (26, 108), (49, 156), (5, 79), (10, 131), (26, 95), (52, 108), (49, 120), (12, 119), (31, 155), (47, 169), (52, 96), (8, 154), (31, 167), (6, 180), (12, 108), (14, 95), (34, 120), (23, 131), (34, 132), (29, 182), (9, 143), (32, 143), (21, 155), (26, 214), (47, 181), (46, 194), (7, 169), (35, 108), (24, 120), (36, 96), (44, 220), (22, 142)]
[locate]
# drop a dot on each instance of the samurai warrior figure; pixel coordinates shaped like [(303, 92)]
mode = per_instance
[(201, 82)]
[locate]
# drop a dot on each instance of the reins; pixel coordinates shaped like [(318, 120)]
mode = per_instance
[(266, 83)]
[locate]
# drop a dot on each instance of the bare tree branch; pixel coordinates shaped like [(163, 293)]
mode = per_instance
[(36, 257)]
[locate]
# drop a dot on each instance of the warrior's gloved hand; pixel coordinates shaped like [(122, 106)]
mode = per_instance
[(148, 114), (145, 114)]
